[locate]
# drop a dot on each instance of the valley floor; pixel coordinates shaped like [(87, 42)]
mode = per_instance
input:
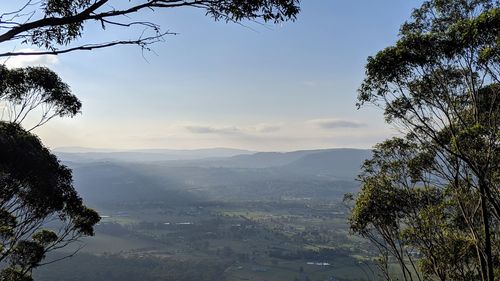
[(294, 239)]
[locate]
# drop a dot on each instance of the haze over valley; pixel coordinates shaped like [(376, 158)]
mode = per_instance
[(249, 140), (232, 213)]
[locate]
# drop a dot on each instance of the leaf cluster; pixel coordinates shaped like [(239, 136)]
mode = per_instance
[(35, 190), (25, 90)]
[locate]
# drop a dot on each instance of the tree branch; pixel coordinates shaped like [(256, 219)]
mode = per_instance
[(143, 42)]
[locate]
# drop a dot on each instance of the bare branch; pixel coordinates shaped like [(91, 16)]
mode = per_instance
[(143, 43)]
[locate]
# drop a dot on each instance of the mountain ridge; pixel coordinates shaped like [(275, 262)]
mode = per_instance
[(217, 157)]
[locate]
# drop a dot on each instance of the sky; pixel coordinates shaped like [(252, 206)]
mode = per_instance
[(259, 87)]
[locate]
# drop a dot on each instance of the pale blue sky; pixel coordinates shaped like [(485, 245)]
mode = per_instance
[(280, 87)]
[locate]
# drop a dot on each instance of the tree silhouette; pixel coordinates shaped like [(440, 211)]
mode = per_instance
[(52, 24), (26, 90), (40, 211)]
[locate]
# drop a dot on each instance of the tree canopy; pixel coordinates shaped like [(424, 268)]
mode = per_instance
[(53, 25), (39, 209), (35, 89), (434, 191)]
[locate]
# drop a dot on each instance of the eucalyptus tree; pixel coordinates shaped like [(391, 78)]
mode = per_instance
[(435, 191), (40, 211), (30, 90)]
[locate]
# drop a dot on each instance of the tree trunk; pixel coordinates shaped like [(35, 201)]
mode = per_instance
[(487, 234)]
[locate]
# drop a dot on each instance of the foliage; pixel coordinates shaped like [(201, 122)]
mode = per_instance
[(36, 191), (40, 210), (409, 215), (55, 23), (430, 199), (25, 90)]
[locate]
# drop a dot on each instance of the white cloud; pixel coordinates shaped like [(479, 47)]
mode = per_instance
[(234, 130), (267, 128), (329, 124), (30, 60), (213, 130)]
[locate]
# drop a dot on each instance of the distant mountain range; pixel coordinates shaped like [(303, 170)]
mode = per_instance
[(345, 160), (220, 157), (81, 154), (179, 177)]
